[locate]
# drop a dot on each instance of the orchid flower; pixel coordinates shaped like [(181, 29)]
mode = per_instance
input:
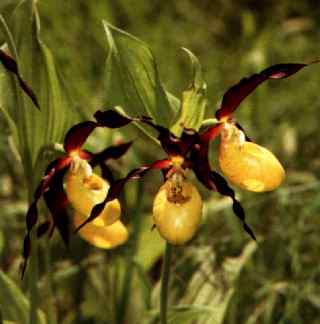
[(69, 182), (177, 207), (247, 164)]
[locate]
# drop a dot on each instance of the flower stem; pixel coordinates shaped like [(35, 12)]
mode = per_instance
[(51, 317), (165, 283), (33, 276), (137, 220)]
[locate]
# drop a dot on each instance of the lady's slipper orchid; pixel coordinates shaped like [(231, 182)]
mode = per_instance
[(177, 206), (104, 237), (85, 190), (177, 209), (69, 181), (247, 164)]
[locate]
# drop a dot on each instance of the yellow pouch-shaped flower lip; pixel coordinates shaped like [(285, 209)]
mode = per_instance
[(104, 237), (177, 215), (86, 192), (248, 165)]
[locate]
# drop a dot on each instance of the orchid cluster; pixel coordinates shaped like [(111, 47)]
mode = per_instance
[(71, 186), (69, 183)]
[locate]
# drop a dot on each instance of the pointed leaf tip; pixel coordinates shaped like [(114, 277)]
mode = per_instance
[(194, 101), (132, 80)]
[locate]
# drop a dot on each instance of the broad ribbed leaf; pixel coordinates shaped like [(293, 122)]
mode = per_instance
[(14, 305), (213, 286), (188, 314), (35, 129), (194, 100), (132, 79)]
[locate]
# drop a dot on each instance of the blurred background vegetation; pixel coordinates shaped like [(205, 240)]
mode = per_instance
[(280, 282)]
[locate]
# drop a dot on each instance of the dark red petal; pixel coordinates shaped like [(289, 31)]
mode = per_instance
[(10, 64), (211, 133), (161, 164), (138, 173), (26, 246), (215, 182), (117, 187), (281, 71), (113, 193), (111, 119), (43, 228), (234, 96), (26, 254), (223, 188), (106, 173), (44, 184), (26, 88), (172, 144), (77, 135), (49, 181), (188, 138), (85, 155), (53, 167), (111, 152), (32, 216), (57, 202)]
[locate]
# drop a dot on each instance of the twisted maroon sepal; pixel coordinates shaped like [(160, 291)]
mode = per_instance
[(11, 65), (117, 186), (236, 94)]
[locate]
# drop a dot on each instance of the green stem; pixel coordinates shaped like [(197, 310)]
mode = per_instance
[(125, 293), (165, 283), (51, 317), (33, 275)]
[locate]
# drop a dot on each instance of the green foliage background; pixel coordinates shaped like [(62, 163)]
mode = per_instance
[(232, 39)]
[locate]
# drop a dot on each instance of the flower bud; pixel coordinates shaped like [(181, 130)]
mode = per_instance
[(177, 210), (104, 237), (246, 164), (85, 191)]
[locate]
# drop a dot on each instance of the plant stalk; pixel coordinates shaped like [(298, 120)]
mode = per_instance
[(165, 283), (125, 293), (33, 275), (51, 316)]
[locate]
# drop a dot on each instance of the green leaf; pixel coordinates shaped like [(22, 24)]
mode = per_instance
[(35, 129), (194, 100), (14, 305), (132, 79), (188, 314), (212, 287)]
